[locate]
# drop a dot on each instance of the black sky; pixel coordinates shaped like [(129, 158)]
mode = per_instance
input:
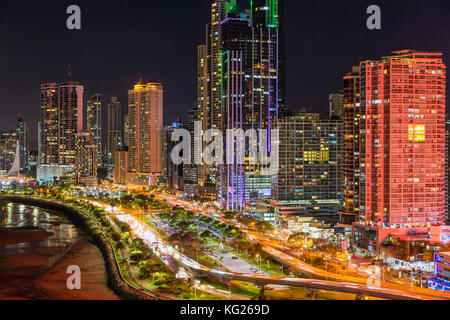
[(122, 41)]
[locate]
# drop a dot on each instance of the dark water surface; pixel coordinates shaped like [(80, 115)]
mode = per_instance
[(18, 216), (32, 241)]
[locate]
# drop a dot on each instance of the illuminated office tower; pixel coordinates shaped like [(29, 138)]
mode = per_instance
[(310, 174), (145, 110), (403, 113), (219, 10), (87, 159), (232, 176), (24, 144), (70, 95), (209, 85), (352, 173), (253, 35), (114, 127), (49, 124), (94, 122), (269, 42)]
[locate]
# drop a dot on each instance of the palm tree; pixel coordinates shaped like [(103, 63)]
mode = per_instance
[(160, 276)]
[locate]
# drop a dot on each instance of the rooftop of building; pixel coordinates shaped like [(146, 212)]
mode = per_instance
[(152, 85)]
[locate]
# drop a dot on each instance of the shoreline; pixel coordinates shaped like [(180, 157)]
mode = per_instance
[(17, 236), (52, 283), (80, 219)]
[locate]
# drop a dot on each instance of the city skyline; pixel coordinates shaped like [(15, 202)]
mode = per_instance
[(109, 78), (183, 154)]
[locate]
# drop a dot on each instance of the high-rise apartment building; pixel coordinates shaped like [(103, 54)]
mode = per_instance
[(172, 174), (94, 122), (145, 110), (49, 124), (62, 119), (9, 141), (352, 164), (70, 120), (121, 165), (24, 144), (192, 184), (114, 127), (87, 159), (402, 152), (310, 174)]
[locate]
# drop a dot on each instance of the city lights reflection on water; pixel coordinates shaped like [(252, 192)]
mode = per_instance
[(19, 216)]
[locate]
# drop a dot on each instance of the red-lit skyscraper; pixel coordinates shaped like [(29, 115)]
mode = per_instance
[(402, 146)]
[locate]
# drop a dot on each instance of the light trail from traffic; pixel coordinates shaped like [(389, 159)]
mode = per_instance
[(153, 239)]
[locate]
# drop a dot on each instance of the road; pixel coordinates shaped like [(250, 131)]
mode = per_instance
[(279, 251), (154, 241), (273, 248)]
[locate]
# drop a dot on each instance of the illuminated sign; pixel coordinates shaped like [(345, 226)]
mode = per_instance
[(440, 259)]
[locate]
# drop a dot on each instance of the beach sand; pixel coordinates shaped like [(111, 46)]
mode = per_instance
[(22, 276), (93, 276)]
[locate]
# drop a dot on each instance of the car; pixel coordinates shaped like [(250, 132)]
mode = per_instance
[(224, 252), (234, 258)]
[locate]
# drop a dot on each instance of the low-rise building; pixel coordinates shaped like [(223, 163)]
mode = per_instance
[(442, 270)]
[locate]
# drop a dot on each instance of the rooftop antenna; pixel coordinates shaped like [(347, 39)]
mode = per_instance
[(69, 74)]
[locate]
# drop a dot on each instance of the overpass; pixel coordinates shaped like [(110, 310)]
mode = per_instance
[(153, 239), (314, 284)]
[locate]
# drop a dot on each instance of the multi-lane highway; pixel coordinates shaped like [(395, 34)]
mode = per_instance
[(153, 239), (282, 253)]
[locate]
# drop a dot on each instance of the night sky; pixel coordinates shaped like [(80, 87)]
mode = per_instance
[(122, 41)]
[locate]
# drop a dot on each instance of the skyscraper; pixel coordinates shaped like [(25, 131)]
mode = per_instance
[(87, 157), (192, 183), (352, 165), (145, 110), (121, 165), (50, 124), (402, 146), (114, 127), (310, 174), (238, 87), (172, 173), (9, 140), (24, 144), (70, 120), (94, 122), (62, 119)]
